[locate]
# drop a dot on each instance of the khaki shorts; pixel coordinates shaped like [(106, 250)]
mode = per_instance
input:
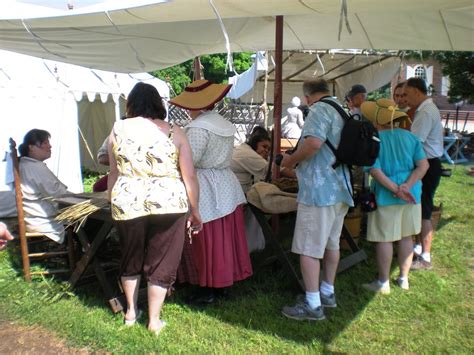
[(392, 223), (317, 229)]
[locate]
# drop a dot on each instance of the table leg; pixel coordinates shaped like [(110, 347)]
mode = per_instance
[(357, 255), (90, 251), (281, 254), (114, 302), (446, 154), (458, 155)]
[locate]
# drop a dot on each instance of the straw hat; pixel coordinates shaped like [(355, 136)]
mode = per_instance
[(382, 111), (200, 95)]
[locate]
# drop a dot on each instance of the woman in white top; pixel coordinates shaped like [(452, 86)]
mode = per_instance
[(38, 185), (250, 160), (250, 164), (291, 128), (218, 256)]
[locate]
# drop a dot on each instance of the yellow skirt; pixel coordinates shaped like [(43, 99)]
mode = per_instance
[(392, 223)]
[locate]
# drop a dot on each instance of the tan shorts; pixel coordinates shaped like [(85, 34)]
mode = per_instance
[(392, 223), (317, 229)]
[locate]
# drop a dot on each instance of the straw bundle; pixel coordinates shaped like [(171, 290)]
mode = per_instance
[(80, 211)]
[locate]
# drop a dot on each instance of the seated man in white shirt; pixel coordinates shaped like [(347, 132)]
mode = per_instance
[(38, 185)]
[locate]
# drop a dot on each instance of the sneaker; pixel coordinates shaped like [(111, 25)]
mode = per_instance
[(417, 250), (403, 284), (376, 286), (328, 301), (302, 311), (420, 264)]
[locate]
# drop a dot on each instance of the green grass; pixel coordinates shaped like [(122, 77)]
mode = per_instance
[(89, 178), (436, 315)]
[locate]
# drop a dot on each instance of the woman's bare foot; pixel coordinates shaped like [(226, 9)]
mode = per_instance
[(132, 316), (156, 327)]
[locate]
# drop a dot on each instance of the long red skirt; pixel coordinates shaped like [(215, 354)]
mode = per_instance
[(218, 255)]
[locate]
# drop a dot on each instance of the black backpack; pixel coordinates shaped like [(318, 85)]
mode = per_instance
[(359, 144)]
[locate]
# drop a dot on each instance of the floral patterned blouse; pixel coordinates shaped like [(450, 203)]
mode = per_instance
[(149, 181)]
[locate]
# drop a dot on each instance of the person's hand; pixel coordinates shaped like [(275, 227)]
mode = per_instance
[(194, 222), (404, 193), (287, 162), (5, 236)]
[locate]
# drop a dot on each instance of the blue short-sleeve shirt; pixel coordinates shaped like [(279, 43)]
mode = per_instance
[(399, 152), (320, 184)]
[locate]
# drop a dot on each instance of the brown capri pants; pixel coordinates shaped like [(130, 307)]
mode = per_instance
[(152, 245)]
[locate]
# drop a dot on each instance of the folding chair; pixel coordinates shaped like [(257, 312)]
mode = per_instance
[(39, 241)]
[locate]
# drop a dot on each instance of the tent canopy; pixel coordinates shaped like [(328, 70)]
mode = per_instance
[(146, 35), (341, 68), (45, 77)]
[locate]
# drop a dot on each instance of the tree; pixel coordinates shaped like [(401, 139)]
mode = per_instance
[(459, 66), (213, 69), (380, 93), (177, 76)]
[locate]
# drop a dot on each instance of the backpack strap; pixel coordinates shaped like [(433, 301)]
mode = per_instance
[(344, 116), (337, 107)]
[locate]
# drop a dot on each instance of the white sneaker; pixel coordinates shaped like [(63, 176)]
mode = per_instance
[(417, 250), (403, 284), (378, 287)]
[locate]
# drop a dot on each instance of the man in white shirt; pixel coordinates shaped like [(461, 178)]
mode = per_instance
[(428, 128), (38, 185)]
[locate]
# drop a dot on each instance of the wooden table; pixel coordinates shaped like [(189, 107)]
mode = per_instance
[(97, 237)]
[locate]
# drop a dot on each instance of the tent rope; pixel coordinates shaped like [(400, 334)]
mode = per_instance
[(38, 40), (229, 63), (343, 15), (137, 56), (88, 148)]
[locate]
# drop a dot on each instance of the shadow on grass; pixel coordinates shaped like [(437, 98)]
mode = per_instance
[(445, 221), (256, 303)]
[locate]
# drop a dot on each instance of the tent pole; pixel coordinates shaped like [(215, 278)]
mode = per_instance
[(197, 69), (265, 87), (277, 92), (277, 99)]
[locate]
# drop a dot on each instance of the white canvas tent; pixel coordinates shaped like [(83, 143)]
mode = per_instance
[(139, 35), (61, 98), (341, 68)]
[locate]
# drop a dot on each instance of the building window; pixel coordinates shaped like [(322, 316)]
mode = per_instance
[(420, 72)]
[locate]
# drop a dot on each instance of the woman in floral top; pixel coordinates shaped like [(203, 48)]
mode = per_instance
[(152, 186)]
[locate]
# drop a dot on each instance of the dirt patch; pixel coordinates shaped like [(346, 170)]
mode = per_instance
[(18, 339)]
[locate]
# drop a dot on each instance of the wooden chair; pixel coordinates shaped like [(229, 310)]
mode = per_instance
[(38, 240)]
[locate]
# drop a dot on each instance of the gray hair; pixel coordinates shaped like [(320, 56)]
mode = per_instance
[(311, 87)]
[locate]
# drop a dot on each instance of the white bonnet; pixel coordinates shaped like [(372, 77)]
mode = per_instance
[(295, 101)]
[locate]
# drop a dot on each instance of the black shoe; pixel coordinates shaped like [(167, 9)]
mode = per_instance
[(201, 296), (205, 300)]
